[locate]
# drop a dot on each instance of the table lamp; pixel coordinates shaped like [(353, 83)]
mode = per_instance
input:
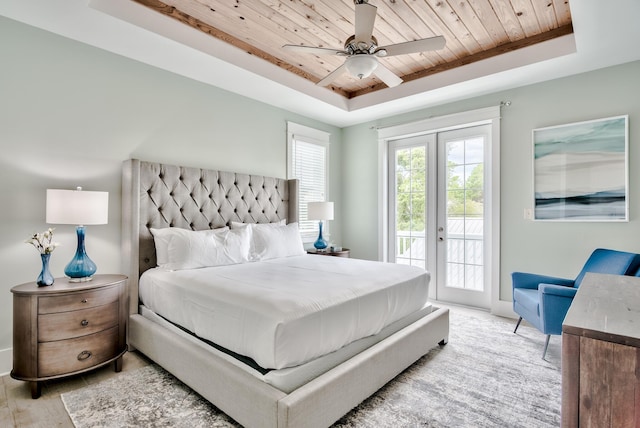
[(81, 208), (320, 211)]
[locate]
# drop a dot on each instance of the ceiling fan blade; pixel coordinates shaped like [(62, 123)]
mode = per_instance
[(332, 76), (387, 76), (315, 50), (365, 18), (415, 46)]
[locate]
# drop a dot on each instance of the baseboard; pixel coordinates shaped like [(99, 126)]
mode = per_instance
[(6, 358), (503, 308)]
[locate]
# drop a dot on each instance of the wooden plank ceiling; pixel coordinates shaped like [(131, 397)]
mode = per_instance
[(474, 30)]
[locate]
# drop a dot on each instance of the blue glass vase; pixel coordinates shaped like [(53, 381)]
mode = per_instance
[(81, 268), (45, 278), (320, 243)]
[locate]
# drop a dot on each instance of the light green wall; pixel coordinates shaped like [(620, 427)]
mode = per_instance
[(70, 114), (552, 248)]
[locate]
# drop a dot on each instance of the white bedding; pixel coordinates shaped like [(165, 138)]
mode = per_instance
[(287, 311)]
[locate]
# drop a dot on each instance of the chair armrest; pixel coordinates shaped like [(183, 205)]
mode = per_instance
[(532, 280), (555, 301), (558, 290)]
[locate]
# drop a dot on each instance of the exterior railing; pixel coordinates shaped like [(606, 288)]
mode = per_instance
[(465, 256)]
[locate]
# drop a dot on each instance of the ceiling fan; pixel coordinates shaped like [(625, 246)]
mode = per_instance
[(362, 50)]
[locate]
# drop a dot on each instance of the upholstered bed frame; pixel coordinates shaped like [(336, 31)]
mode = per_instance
[(158, 195)]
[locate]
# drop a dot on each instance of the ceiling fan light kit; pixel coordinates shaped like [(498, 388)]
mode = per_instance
[(361, 66), (362, 49)]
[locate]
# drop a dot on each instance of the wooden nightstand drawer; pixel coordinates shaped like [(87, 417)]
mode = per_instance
[(72, 355), (67, 325), (75, 301)]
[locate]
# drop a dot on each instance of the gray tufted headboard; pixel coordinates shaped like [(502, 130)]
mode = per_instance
[(158, 195)]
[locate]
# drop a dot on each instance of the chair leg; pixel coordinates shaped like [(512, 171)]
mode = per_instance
[(517, 325), (546, 345)]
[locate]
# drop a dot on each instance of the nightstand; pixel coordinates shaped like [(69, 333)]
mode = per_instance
[(342, 253), (68, 328)]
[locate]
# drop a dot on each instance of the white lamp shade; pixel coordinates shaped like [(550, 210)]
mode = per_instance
[(79, 207), (320, 211)]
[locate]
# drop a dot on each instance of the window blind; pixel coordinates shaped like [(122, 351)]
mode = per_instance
[(309, 166), (308, 161)]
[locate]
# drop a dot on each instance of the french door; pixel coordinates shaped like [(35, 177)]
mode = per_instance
[(437, 215)]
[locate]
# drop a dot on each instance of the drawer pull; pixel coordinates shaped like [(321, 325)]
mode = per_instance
[(84, 355), (84, 323), (84, 301)]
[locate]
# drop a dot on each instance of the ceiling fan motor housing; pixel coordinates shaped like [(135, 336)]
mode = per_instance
[(353, 46)]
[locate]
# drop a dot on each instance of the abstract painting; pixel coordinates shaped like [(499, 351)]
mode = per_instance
[(580, 171)]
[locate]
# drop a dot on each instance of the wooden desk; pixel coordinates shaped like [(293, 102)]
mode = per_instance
[(601, 354)]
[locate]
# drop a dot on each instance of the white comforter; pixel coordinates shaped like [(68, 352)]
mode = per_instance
[(287, 311)]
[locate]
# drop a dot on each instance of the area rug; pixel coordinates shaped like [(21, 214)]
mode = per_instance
[(486, 376)]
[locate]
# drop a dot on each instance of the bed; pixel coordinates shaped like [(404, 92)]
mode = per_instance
[(313, 389)]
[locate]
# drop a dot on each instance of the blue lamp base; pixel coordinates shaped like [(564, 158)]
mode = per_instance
[(81, 268), (320, 243)]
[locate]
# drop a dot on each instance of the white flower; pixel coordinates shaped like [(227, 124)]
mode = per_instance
[(42, 241)]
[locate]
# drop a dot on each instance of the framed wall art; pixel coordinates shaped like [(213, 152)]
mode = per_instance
[(581, 171)]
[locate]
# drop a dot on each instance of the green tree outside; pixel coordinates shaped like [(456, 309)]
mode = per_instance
[(465, 198)]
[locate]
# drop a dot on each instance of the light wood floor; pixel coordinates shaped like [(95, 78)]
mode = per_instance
[(18, 409)]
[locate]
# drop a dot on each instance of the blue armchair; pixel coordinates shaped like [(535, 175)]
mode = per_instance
[(544, 300)]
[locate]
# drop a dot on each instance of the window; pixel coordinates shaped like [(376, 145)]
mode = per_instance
[(308, 161)]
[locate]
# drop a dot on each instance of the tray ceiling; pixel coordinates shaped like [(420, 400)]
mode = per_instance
[(474, 30), (603, 36)]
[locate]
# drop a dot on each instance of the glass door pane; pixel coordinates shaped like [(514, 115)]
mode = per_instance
[(410, 171), (465, 213)]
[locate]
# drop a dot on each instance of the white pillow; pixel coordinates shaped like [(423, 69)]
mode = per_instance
[(238, 225), (186, 249), (162, 237), (275, 242), (256, 226)]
